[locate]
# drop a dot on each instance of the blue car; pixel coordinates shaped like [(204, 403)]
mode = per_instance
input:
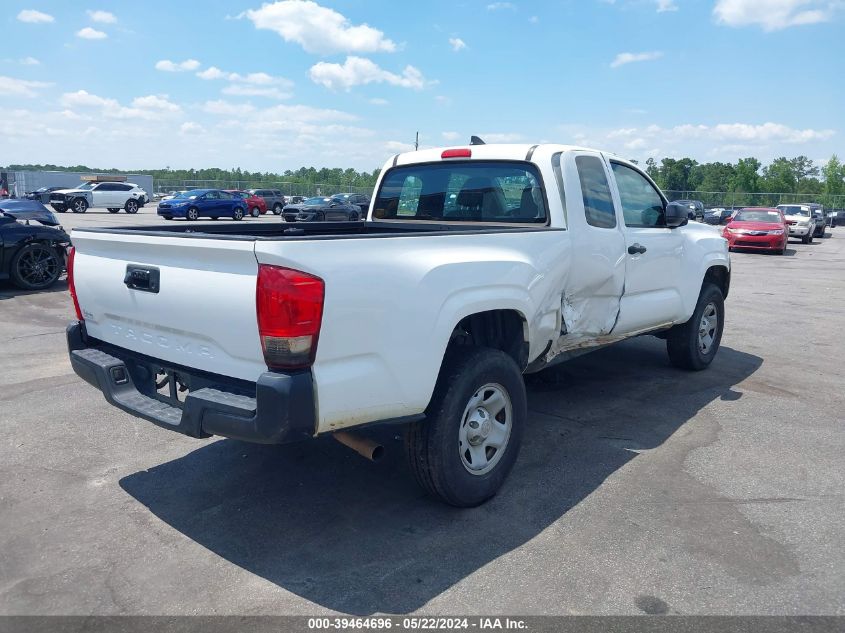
[(203, 203)]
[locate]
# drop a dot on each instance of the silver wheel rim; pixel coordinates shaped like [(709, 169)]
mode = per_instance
[(707, 328), (255, 212), (485, 429), (131, 207), (79, 206), (192, 215)]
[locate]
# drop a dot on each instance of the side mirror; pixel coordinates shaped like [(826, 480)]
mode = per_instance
[(676, 215)]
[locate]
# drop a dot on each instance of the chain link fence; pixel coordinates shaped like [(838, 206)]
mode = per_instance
[(306, 190), (730, 199)]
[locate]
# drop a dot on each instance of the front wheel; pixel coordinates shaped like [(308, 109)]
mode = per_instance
[(255, 212), (693, 345), (464, 449), (192, 214), (80, 205)]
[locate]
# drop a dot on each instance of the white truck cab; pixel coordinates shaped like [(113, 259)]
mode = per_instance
[(484, 262), (801, 221)]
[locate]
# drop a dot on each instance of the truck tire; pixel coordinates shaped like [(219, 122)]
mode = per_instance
[(464, 449), (693, 345), (79, 205), (131, 206)]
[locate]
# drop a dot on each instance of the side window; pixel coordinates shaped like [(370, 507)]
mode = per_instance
[(225, 195), (598, 205), (212, 195), (103, 187), (641, 203), (123, 187)]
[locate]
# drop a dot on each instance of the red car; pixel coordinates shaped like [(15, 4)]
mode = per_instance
[(758, 228), (255, 205)]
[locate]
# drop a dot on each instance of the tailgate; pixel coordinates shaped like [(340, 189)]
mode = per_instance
[(203, 314)]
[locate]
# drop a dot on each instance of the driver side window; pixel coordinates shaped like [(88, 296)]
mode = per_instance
[(642, 205)]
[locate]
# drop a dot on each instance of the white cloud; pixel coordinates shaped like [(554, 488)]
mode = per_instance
[(156, 102), (748, 134), (150, 108), (212, 72), (29, 61), (10, 86), (666, 5), (499, 137), (89, 33), (318, 29), (451, 136), (35, 17), (242, 90), (457, 44), (226, 108), (774, 15), (103, 17), (190, 127), (499, 6), (627, 58), (176, 67), (357, 71)]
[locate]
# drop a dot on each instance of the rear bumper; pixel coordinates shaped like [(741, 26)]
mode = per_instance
[(277, 409)]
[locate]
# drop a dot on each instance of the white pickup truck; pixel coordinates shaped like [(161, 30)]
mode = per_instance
[(483, 263)]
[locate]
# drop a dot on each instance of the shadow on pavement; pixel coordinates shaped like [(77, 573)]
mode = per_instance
[(8, 290), (321, 522)]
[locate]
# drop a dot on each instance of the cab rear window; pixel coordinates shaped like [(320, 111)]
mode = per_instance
[(463, 191)]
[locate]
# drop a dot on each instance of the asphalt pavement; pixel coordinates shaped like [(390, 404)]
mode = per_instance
[(640, 488)]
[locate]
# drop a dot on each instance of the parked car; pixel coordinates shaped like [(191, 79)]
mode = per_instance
[(203, 203), (717, 215), (32, 244), (255, 205), (42, 195), (462, 296), (358, 199), (836, 217), (800, 220), (273, 198), (112, 195), (322, 209), (760, 228), (695, 209)]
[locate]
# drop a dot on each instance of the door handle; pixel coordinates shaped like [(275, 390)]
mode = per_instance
[(636, 249)]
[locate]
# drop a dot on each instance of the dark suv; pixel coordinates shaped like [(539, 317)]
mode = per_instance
[(274, 199), (696, 209)]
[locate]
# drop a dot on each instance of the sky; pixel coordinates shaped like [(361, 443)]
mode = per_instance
[(339, 83)]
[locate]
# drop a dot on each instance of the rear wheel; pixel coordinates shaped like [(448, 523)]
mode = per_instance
[(131, 206), (277, 209), (693, 345), (113, 210), (238, 214), (35, 267), (464, 449), (192, 214)]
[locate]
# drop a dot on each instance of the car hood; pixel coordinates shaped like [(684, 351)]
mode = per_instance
[(302, 207), (66, 191), (29, 210), (755, 226)]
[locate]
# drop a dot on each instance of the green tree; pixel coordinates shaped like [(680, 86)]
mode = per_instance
[(780, 176)]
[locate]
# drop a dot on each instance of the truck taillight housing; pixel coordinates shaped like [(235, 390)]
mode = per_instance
[(70, 283), (289, 305)]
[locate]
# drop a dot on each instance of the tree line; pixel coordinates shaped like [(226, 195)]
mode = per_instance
[(749, 180)]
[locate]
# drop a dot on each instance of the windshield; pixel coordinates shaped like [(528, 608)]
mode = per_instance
[(795, 210), (463, 191), (758, 216), (87, 186), (317, 201)]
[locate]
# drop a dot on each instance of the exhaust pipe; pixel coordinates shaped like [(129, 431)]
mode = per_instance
[(365, 447)]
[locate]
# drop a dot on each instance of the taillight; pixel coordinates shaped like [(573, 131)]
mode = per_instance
[(289, 305), (70, 283)]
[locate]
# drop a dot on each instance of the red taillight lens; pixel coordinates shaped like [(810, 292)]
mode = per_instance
[(456, 153), (289, 305), (70, 283)]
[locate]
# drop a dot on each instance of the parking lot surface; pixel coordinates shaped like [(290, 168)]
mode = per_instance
[(639, 489)]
